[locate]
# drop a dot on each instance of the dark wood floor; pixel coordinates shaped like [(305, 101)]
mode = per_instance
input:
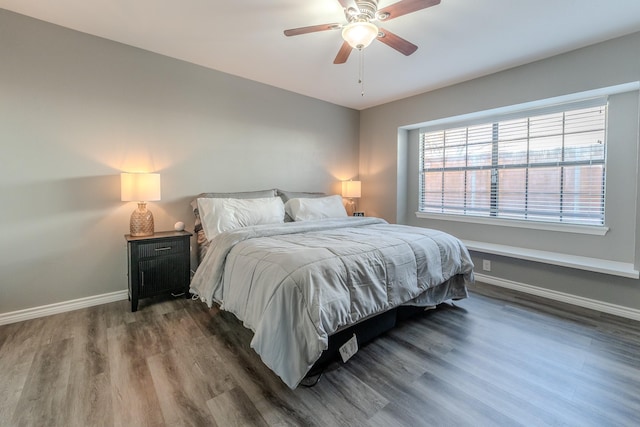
[(497, 358)]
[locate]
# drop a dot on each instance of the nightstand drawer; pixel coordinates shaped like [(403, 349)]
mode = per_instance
[(165, 247)]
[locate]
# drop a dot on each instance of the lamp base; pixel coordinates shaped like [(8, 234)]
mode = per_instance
[(141, 221), (351, 207)]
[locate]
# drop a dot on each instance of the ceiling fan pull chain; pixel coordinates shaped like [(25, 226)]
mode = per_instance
[(361, 72)]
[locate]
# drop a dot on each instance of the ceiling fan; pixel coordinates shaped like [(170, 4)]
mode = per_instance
[(360, 29)]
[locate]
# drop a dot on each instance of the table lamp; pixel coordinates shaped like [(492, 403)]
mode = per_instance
[(141, 188), (351, 190)]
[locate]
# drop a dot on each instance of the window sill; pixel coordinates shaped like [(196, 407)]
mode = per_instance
[(565, 228), (614, 268)]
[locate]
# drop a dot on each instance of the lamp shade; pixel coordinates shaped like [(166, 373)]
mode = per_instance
[(351, 189), (359, 34), (139, 187)]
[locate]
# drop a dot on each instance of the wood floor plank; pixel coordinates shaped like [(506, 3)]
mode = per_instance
[(387, 374), (133, 395), (547, 397), (116, 313), (25, 339), (16, 355), (89, 395), (181, 401), (343, 399), (7, 331), (202, 367), (441, 400), (609, 404), (500, 400), (13, 379), (89, 399), (45, 391), (234, 408)]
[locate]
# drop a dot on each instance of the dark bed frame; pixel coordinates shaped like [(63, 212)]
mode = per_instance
[(365, 332)]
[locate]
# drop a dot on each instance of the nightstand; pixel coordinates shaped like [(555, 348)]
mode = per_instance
[(158, 264)]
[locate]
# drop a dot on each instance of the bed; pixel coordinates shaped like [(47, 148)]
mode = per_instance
[(298, 272)]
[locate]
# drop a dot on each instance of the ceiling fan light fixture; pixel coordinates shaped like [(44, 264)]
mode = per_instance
[(359, 34)]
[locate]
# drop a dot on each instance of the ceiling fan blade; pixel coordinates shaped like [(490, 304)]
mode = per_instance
[(403, 7), (398, 43), (343, 53), (311, 29)]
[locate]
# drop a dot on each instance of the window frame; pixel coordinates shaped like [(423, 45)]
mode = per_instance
[(511, 113)]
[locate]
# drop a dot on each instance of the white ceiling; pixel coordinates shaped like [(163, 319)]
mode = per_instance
[(458, 39)]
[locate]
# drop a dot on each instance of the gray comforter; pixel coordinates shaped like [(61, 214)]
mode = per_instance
[(295, 284)]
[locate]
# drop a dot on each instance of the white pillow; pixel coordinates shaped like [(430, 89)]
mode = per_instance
[(220, 215), (306, 209)]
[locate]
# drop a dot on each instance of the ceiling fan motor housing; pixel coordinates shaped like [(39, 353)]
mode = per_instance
[(367, 11)]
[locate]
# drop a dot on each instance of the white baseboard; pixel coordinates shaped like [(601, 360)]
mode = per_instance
[(604, 307), (61, 307)]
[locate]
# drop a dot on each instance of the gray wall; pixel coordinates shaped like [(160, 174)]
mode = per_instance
[(76, 110), (388, 165)]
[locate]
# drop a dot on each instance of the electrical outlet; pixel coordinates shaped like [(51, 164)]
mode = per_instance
[(486, 265)]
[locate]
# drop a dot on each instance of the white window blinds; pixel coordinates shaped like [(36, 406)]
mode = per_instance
[(542, 165)]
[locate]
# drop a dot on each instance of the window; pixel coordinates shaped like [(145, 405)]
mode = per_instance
[(543, 165)]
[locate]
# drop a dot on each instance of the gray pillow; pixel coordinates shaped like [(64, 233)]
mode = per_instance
[(286, 195)]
